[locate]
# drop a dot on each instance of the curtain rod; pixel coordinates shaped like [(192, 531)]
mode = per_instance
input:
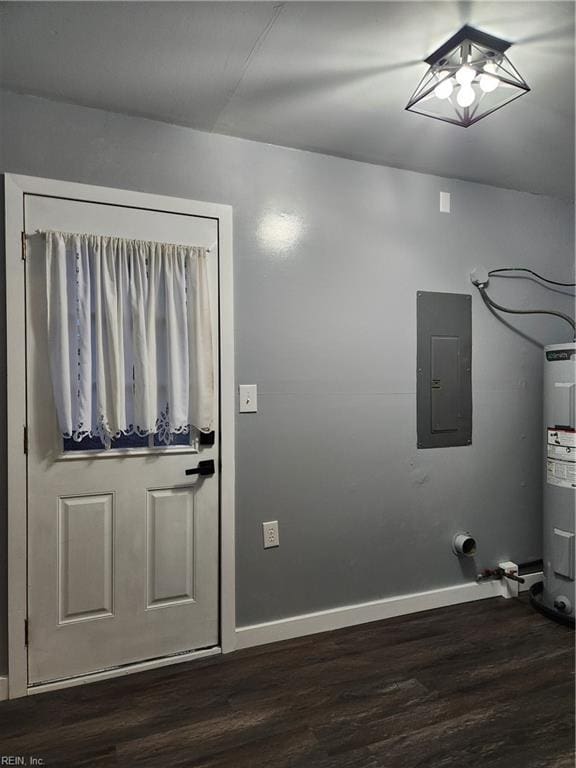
[(80, 234)]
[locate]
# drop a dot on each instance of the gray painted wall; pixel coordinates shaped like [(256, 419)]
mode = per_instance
[(3, 467), (325, 326)]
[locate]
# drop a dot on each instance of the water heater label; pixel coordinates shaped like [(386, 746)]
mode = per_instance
[(562, 473), (559, 354), (561, 461), (566, 437), (561, 452)]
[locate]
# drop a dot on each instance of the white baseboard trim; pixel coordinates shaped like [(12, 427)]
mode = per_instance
[(376, 610), (129, 669), (3, 688)]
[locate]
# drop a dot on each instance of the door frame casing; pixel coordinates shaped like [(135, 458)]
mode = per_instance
[(15, 188)]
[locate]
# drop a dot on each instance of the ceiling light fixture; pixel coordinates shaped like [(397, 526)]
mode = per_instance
[(469, 77)]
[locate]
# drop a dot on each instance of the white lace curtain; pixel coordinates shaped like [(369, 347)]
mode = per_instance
[(130, 336)]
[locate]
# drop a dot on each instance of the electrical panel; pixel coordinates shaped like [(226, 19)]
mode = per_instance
[(444, 369)]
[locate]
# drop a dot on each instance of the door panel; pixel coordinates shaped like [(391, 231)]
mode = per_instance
[(122, 545), (85, 547), (445, 388), (171, 547)]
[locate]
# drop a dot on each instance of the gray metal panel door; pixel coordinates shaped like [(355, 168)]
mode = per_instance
[(444, 363)]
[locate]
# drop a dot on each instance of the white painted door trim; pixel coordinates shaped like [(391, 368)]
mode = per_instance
[(15, 187)]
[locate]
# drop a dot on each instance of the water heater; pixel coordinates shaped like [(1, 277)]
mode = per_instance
[(556, 595)]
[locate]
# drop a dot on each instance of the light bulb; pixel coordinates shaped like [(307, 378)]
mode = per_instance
[(465, 96), (465, 75), (487, 81), (444, 89)]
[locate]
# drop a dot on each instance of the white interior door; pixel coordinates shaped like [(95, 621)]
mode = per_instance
[(123, 548)]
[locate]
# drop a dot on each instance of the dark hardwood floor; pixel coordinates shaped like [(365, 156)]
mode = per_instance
[(484, 685)]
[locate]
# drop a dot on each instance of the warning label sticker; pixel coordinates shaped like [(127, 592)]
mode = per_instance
[(562, 452), (562, 473), (561, 461), (566, 437)]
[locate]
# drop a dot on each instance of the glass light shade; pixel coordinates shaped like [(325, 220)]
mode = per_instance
[(444, 89), (469, 77), (465, 96), (465, 75), (487, 81)]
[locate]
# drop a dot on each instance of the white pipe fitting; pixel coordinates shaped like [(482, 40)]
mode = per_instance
[(464, 545), (479, 277)]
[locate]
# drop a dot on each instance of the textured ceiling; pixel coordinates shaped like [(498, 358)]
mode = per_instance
[(328, 77)]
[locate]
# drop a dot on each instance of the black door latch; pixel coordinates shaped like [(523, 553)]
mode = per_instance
[(203, 469)]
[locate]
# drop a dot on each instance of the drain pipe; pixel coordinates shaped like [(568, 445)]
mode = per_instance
[(464, 545)]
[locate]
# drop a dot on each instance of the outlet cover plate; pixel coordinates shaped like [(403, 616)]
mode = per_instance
[(270, 534)]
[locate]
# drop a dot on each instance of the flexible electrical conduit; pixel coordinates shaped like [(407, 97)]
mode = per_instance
[(491, 303), (531, 272)]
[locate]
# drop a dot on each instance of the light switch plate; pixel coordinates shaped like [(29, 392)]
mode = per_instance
[(444, 202), (248, 398)]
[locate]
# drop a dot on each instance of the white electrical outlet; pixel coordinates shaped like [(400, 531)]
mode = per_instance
[(270, 534)]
